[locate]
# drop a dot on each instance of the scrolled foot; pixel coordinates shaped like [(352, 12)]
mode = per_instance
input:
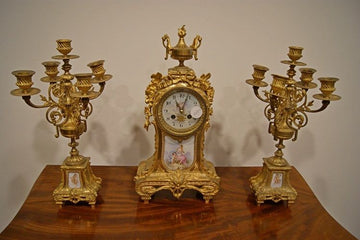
[(146, 199), (207, 199)]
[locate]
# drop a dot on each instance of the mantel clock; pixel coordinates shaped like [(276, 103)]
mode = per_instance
[(179, 106)]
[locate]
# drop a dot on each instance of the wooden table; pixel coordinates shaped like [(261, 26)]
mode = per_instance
[(119, 214)]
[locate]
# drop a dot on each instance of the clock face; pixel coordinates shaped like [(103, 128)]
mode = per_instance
[(181, 110)]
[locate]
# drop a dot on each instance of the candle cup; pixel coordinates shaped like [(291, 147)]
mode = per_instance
[(306, 78), (295, 53), (327, 85), (259, 72), (306, 74), (51, 68), (64, 46), (97, 69), (278, 84), (83, 82), (23, 77)]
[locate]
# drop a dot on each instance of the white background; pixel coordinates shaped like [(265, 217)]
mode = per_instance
[(236, 34)]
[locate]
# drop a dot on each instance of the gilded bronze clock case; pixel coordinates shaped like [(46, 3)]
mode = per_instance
[(153, 175)]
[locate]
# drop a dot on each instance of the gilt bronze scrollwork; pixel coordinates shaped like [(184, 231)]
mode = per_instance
[(179, 106), (68, 107), (286, 110)]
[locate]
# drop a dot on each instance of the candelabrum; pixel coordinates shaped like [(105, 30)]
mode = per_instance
[(68, 106), (287, 108)]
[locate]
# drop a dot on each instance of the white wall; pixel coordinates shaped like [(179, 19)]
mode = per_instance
[(236, 34)]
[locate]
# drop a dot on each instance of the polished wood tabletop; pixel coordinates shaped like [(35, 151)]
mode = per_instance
[(119, 213)]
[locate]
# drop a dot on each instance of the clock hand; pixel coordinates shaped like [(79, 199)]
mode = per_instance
[(187, 96), (178, 105), (181, 107)]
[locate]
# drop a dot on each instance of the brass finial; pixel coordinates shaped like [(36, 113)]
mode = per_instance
[(181, 51)]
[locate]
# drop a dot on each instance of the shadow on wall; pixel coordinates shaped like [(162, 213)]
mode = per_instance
[(96, 138), (295, 152), (218, 147), (137, 148), (252, 144), (19, 189), (322, 188), (45, 147), (302, 149)]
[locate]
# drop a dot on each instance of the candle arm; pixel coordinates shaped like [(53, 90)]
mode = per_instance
[(102, 87), (256, 92), (324, 105), (31, 104), (101, 90)]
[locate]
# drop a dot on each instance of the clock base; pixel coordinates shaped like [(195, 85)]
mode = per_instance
[(273, 183), (78, 184), (150, 180)]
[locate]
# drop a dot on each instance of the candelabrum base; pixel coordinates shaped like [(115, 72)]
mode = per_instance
[(273, 183), (148, 182), (78, 184)]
